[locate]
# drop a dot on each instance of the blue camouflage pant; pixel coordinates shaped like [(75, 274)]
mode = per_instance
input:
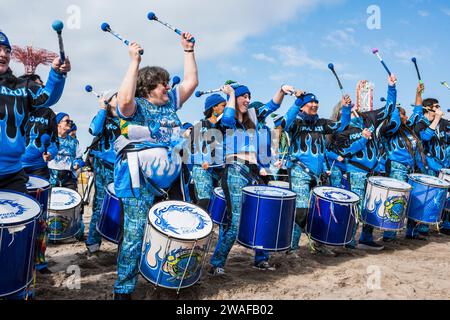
[(135, 220), (203, 181), (103, 177), (300, 184), (358, 182), (228, 236)]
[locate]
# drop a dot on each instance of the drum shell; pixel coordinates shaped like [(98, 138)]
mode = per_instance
[(109, 224), (445, 175), (64, 224), (323, 228), (266, 223), (17, 254), (379, 206), (163, 259), (217, 208), (42, 196), (427, 203)]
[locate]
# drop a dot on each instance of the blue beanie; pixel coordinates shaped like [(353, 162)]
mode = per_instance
[(186, 126), (240, 91), (309, 97), (60, 116), (4, 40), (213, 101)]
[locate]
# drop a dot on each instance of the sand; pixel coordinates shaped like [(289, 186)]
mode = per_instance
[(404, 270)]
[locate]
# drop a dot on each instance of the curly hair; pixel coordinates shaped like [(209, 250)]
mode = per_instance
[(148, 80)]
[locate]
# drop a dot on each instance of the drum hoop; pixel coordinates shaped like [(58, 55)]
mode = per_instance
[(68, 208), (174, 237), (269, 197), (372, 182), (112, 195), (6, 225), (410, 177), (218, 195), (337, 201)]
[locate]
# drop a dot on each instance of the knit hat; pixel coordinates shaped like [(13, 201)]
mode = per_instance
[(241, 90), (309, 97), (4, 40), (213, 100), (277, 119), (186, 126), (60, 116)]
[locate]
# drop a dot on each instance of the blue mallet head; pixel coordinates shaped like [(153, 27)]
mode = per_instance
[(176, 80), (414, 60), (383, 99), (88, 88), (198, 94), (331, 66), (105, 27), (45, 139), (151, 16), (58, 25)]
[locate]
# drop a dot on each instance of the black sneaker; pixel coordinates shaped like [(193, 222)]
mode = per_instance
[(217, 271), (45, 271), (264, 265), (122, 296), (370, 246)]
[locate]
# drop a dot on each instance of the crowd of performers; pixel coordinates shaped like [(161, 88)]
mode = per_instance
[(138, 132)]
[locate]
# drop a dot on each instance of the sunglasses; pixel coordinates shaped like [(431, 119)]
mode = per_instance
[(68, 121)]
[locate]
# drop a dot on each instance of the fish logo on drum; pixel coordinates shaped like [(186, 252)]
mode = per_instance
[(11, 209), (58, 225), (395, 207), (180, 262)]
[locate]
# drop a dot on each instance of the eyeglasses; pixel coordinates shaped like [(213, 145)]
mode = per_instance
[(68, 121)]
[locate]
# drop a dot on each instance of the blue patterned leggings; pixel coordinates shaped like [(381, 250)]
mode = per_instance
[(228, 236), (203, 181), (135, 220)]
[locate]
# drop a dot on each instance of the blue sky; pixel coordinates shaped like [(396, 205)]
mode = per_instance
[(259, 43)]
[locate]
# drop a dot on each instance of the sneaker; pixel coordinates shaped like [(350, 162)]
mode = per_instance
[(122, 296), (322, 249), (45, 271), (217, 271), (292, 254), (93, 248), (264, 265), (389, 240), (370, 246)]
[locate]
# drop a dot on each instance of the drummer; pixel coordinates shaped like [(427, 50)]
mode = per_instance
[(307, 133), (242, 166), (207, 150), (15, 96), (405, 154), (432, 129), (154, 108), (106, 127), (359, 145)]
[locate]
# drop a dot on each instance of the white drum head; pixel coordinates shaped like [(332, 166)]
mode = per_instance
[(390, 183), (111, 189), (269, 192), (279, 184), (180, 220), (219, 192), (16, 208), (64, 199), (429, 180), (336, 194), (445, 174), (37, 183)]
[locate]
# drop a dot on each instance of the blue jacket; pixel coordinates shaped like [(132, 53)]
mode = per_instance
[(17, 99), (107, 129)]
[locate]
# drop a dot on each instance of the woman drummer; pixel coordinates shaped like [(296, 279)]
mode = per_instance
[(242, 165), (145, 99)]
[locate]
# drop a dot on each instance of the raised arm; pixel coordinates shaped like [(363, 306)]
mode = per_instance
[(97, 124), (391, 101), (126, 103), (190, 79), (228, 118)]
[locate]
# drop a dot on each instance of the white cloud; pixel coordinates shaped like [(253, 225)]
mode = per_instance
[(423, 13), (264, 57), (421, 53), (446, 11), (341, 39), (298, 57)]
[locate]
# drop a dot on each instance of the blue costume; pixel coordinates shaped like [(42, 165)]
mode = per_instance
[(106, 129), (238, 173), (307, 154), (163, 127), (362, 155)]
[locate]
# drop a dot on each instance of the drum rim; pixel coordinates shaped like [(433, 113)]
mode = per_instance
[(112, 195), (68, 208), (45, 188), (106, 237), (41, 211), (337, 201), (149, 222), (259, 248), (411, 177), (373, 179), (249, 193), (218, 195)]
